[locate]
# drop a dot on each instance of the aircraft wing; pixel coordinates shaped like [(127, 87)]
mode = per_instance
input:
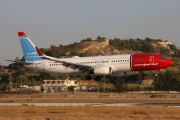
[(20, 62), (82, 68)]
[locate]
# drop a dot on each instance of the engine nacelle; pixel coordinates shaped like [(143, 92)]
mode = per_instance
[(103, 70), (119, 74)]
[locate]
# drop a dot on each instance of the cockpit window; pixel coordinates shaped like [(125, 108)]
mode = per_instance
[(161, 58)]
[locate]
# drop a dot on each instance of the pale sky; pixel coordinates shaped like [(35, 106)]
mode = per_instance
[(55, 22)]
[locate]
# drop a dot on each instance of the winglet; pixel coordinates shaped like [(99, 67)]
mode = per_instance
[(21, 34)]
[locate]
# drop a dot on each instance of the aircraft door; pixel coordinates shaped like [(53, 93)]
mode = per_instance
[(151, 60), (43, 65), (99, 61)]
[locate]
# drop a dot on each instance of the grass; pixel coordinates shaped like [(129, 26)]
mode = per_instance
[(88, 113)]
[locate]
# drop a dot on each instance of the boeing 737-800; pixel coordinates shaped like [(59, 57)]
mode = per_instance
[(114, 65)]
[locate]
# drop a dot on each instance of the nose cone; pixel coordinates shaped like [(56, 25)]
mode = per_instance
[(170, 62)]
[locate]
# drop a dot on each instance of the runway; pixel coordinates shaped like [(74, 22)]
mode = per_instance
[(93, 104)]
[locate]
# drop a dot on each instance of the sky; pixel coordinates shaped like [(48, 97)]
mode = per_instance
[(55, 22)]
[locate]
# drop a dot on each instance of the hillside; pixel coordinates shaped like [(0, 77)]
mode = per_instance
[(111, 47)]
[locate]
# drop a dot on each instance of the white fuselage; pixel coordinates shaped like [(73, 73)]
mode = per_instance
[(118, 63)]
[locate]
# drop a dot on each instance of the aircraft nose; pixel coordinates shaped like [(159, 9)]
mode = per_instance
[(170, 62)]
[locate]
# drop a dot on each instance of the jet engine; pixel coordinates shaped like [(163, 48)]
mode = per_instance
[(103, 70)]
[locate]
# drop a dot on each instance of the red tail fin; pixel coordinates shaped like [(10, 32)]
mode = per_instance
[(21, 34)]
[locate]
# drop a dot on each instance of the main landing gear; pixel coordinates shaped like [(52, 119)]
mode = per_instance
[(88, 77)]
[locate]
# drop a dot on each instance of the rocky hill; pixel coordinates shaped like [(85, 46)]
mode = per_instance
[(111, 47)]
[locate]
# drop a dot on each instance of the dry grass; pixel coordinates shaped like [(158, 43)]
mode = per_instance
[(88, 113), (89, 98)]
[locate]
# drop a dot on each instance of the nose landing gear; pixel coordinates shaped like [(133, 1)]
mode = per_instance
[(157, 71)]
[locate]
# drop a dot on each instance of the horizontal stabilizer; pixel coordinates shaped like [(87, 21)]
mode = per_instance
[(20, 62)]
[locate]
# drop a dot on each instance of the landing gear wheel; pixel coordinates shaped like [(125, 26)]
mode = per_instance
[(98, 78), (88, 77)]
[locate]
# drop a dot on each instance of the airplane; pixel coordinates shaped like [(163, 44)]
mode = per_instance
[(113, 65)]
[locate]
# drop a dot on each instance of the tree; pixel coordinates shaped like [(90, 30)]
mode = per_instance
[(147, 47), (99, 37), (119, 83), (172, 47), (44, 76)]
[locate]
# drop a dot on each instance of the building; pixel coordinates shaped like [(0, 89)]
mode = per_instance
[(26, 87), (87, 85), (58, 85)]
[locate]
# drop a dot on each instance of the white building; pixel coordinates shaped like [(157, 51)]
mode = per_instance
[(58, 85)]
